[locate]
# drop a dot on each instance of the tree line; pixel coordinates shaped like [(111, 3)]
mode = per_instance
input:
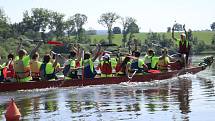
[(41, 23)]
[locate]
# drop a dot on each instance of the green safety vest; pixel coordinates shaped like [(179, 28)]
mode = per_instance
[(49, 68), (154, 61)]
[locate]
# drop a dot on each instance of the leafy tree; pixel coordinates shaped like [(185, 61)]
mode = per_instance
[(37, 19), (168, 29), (116, 30), (126, 23), (57, 25), (4, 26), (107, 20), (213, 26), (69, 26), (133, 28), (79, 20)]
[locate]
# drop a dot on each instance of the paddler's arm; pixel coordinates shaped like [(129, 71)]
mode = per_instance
[(173, 35), (185, 31), (35, 49), (127, 68), (19, 46), (56, 60), (97, 52), (79, 53)]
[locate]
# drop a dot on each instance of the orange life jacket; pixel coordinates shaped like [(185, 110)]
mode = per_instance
[(35, 68), (21, 71)]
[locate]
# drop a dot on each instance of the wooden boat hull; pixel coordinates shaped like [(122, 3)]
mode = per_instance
[(97, 81)]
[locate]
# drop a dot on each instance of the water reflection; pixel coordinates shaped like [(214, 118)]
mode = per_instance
[(115, 102), (51, 103)]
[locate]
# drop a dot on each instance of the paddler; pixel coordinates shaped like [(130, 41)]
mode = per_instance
[(70, 69), (150, 59), (89, 69), (22, 63), (10, 68), (47, 68), (106, 65), (35, 67), (164, 61), (137, 64), (124, 66)]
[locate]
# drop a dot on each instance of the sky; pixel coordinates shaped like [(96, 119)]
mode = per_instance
[(151, 15)]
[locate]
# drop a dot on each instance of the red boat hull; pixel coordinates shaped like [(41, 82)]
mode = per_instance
[(97, 81)]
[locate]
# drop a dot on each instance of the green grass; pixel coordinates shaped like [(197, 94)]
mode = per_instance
[(205, 36)]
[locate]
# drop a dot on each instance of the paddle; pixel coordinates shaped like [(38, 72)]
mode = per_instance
[(104, 45), (130, 77), (50, 42)]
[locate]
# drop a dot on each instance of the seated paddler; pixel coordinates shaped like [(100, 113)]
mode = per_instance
[(35, 67), (22, 63), (106, 65), (88, 65), (47, 68), (70, 69), (164, 61), (137, 64)]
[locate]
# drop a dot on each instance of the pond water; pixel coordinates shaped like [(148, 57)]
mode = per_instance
[(184, 98)]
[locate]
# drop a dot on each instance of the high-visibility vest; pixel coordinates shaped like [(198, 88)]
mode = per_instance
[(137, 64)]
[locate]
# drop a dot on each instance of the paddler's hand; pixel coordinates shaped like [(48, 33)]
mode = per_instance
[(184, 26)]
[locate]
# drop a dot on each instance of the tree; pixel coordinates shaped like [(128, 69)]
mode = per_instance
[(213, 26), (133, 28), (107, 20), (168, 29), (4, 26), (116, 30), (69, 26), (79, 20), (37, 20), (57, 25), (126, 23)]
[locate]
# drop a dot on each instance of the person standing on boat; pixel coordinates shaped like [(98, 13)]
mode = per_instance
[(138, 64), (164, 61), (150, 59), (47, 68), (183, 44), (35, 67), (22, 63)]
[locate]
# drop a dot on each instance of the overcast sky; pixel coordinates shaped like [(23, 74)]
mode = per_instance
[(154, 15)]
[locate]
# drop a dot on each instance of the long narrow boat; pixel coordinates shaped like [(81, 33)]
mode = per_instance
[(97, 81)]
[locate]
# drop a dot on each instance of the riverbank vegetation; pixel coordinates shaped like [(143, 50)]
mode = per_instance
[(40, 23)]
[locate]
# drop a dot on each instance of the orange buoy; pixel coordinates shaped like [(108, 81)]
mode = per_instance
[(12, 113)]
